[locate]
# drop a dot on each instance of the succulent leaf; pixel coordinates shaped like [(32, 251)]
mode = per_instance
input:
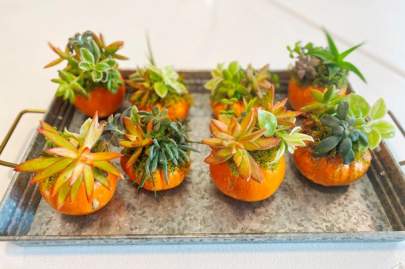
[(267, 121), (36, 164), (378, 110), (326, 145), (88, 181)]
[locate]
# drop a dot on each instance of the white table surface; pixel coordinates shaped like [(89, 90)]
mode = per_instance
[(197, 35)]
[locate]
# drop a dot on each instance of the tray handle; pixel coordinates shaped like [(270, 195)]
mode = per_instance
[(399, 126), (11, 131)]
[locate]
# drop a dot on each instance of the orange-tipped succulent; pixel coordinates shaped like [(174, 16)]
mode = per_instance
[(74, 173), (247, 158), (155, 149)]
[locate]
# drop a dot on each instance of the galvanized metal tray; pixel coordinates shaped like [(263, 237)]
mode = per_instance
[(370, 209)]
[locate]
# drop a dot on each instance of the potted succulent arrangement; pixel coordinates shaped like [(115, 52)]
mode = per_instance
[(344, 129), (74, 173), (156, 149), (91, 79), (160, 87), (318, 68), (232, 87), (247, 159)]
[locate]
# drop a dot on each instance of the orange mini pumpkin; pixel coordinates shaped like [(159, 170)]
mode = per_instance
[(175, 111), (330, 170), (248, 190), (237, 108), (81, 205), (300, 96), (175, 178), (100, 100)]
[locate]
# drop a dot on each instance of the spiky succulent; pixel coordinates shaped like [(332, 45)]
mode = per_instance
[(240, 142), (152, 142), (323, 67), (348, 127), (233, 83), (156, 85), (72, 159), (90, 63)]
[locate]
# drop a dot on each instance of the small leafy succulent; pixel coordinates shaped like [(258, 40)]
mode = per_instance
[(90, 63), (153, 84), (71, 160), (233, 83), (324, 67), (352, 127), (151, 141), (283, 116), (239, 141), (324, 101)]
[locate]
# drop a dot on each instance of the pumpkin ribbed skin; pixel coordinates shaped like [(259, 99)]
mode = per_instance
[(244, 190), (217, 108), (175, 111), (81, 205), (100, 100), (176, 177), (300, 96), (330, 171)]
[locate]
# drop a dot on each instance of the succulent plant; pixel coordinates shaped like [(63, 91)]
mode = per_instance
[(238, 141), (72, 159), (323, 67), (90, 62), (152, 141), (154, 84), (324, 101), (233, 83), (283, 116), (350, 127)]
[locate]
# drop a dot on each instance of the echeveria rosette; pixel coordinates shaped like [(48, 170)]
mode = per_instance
[(234, 84), (154, 84), (90, 63), (237, 140), (151, 141), (323, 67), (72, 159), (353, 127)]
